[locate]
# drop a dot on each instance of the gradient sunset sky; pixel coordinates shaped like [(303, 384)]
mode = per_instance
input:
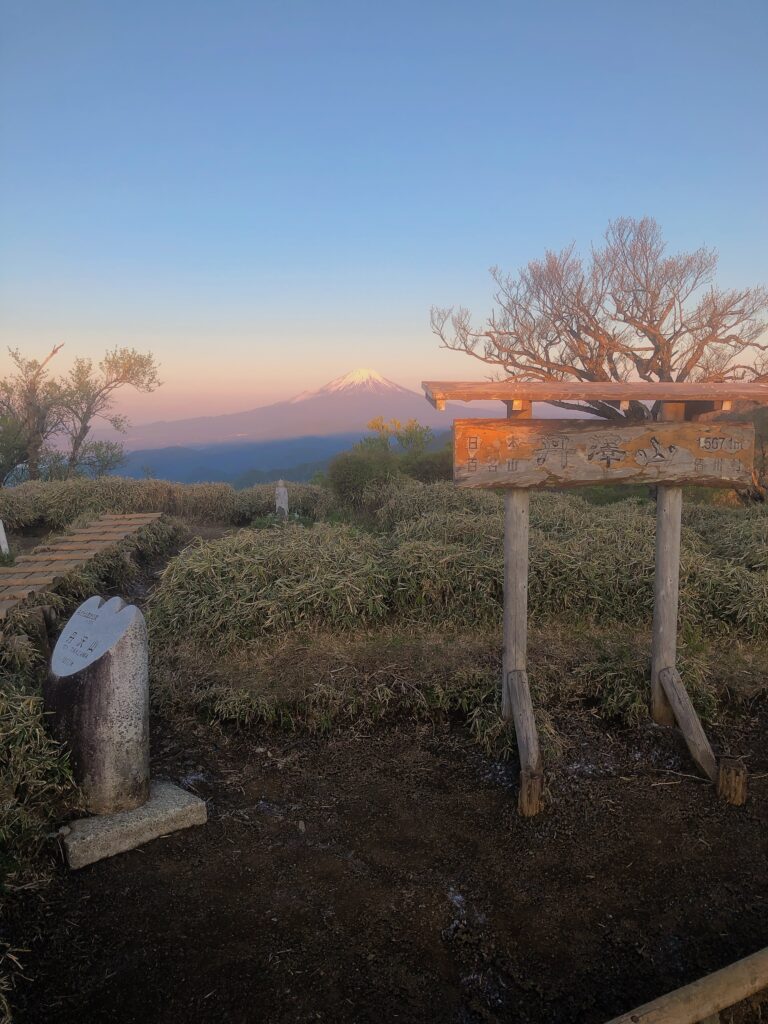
[(267, 195)]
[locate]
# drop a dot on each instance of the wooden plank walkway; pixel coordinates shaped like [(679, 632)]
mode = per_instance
[(32, 573)]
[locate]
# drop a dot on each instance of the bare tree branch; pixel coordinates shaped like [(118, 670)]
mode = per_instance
[(632, 311)]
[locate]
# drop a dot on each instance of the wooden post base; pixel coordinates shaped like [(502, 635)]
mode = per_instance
[(531, 799), (732, 781)]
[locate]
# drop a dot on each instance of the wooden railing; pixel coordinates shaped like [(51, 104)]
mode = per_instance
[(702, 1000)]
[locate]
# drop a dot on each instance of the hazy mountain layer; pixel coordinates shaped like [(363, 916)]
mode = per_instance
[(342, 406)]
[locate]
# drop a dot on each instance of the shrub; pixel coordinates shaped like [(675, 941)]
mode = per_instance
[(442, 562), (57, 504), (428, 467), (352, 472), (251, 584)]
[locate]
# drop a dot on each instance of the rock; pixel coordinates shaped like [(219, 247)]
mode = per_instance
[(168, 809)]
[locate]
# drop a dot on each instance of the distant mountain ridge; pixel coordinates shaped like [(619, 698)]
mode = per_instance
[(342, 406), (296, 458)]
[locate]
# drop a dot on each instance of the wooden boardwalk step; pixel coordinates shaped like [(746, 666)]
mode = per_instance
[(32, 573)]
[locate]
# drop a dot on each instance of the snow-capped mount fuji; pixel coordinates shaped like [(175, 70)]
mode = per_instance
[(358, 380), (344, 405)]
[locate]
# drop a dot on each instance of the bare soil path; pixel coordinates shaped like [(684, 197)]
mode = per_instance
[(388, 878)]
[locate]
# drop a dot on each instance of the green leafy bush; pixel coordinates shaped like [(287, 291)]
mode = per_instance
[(352, 472)]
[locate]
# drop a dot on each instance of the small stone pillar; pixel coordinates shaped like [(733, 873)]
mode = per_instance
[(281, 500), (4, 549), (98, 692)]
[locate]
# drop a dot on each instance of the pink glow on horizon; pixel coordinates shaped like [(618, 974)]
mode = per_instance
[(223, 378)]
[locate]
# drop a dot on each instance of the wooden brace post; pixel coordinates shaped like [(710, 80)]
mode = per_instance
[(688, 721)]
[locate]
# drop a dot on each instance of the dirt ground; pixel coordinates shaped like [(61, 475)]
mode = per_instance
[(387, 877)]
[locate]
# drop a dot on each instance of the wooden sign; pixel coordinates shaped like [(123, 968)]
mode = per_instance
[(570, 453)]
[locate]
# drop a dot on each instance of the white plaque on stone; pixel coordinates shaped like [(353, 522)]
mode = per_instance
[(94, 629)]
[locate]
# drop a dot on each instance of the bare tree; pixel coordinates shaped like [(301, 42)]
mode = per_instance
[(632, 311), (88, 392)]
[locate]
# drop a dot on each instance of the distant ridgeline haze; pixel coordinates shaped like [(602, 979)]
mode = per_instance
[(297, 438), (293, 439)]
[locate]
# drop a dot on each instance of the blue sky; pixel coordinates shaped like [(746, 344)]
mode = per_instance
[(269, 194)]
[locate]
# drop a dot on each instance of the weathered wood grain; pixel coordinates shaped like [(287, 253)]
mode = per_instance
[(688, 721), (666, 587), (516, 700), (491, 453), (732, 781), (438, 392), (707, 996)]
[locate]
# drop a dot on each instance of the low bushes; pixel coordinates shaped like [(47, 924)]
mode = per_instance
[(351, 473), (441, 563), (257, 583), (57, 504)]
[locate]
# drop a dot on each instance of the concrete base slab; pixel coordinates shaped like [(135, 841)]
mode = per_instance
[(168, 809)]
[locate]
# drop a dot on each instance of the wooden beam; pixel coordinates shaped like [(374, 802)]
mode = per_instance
[(707, 996), (579, 391), (688, 721), (669, 504)]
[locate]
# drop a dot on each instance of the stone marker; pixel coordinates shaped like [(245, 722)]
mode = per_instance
[(281, 499), (4, 549), (97, 691)]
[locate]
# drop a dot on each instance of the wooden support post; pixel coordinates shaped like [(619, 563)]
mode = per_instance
[(669, 505), (516, 695), (732, 781), (688, 721), (519, 409)]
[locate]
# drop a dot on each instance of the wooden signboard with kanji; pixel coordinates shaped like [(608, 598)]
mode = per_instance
[(684, 444), (562, 453)]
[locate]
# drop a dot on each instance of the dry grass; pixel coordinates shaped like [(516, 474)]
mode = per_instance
[(57, 504), (257, 583), (324, 682), (441, 563)]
